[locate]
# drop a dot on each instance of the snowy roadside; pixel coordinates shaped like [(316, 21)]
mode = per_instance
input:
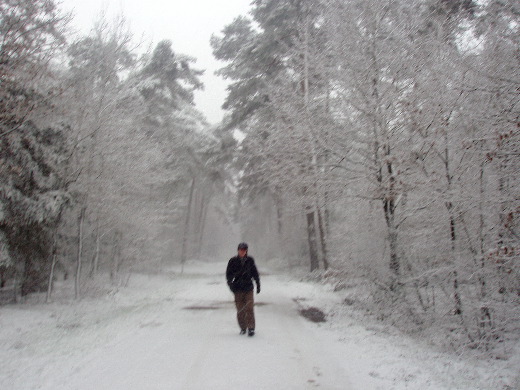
[(77, 345), (402, 362)]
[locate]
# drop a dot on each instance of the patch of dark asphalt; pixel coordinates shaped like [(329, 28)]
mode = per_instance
[(152, 324), (201, 308), (217, 305)]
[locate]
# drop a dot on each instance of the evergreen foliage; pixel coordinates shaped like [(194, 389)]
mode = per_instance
[(32, 196)]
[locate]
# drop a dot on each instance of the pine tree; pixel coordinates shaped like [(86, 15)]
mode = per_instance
[(277, 96), (32, 191)]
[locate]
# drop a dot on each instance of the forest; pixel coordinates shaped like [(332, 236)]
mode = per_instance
[(372, 143)]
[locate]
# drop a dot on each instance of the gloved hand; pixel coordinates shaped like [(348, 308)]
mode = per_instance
[(258, 289)]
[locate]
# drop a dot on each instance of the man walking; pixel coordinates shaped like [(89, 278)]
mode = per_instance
[(240, 272)]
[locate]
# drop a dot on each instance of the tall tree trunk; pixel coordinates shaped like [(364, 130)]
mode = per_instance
[(279, 217), (53, 265), (395, 266), (116, 257), (456, 293), (481, 251), (313, 240), (323, 239), (187, 226), (382, 160), (389, 208), (508, 213), (98, 249), (446, 159), (77, 280), (2, 277), (486, 321), (202, 225), (312, 215), (453, 235), (95, 257)]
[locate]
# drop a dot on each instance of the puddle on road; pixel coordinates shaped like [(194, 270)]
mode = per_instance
[(313, 314)]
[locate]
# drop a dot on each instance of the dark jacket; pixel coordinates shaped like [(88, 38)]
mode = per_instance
[(240, 276)]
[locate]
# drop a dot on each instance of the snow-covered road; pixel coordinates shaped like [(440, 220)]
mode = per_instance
[(175, 331), (193, 342)]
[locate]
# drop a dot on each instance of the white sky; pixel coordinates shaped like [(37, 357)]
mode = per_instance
[(187, 23)]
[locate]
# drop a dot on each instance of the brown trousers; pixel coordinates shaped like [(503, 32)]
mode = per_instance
[(244, 301)]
